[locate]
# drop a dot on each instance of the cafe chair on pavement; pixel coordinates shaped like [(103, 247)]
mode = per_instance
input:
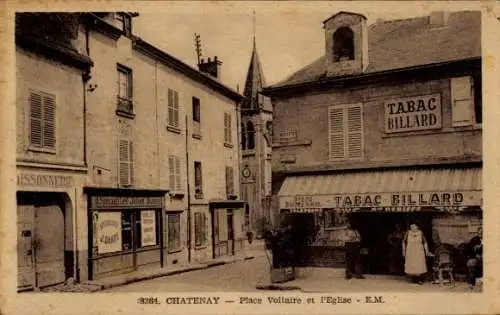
[(442, 269)]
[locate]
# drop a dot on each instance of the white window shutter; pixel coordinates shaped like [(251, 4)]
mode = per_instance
[(354, 132), (131, 162), (176, 109), (35, 102), (462, 103), (170, 107), (336, 130), (178, 186), (124, 168), (171, 171)]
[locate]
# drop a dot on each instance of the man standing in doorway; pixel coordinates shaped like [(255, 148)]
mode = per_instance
[(353, 253)]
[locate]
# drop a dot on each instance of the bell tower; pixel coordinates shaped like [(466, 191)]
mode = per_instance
[(346, 44)]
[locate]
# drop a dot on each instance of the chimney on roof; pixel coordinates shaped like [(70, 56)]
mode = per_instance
[(210, 67), (438, 18)]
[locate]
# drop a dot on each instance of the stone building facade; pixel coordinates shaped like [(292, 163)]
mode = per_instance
[(388, 129), (51, 162), (131, 153)]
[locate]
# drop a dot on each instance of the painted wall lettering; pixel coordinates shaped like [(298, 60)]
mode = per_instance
[(410, 114), (54, 181), (423, 199)]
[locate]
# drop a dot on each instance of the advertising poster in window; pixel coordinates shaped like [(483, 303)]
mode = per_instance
[(109, 232), (148, 228)]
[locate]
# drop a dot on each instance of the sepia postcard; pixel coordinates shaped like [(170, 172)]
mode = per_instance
[(250, 157)]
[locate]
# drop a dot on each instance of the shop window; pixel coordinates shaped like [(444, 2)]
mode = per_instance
[(200, 226), (227, 129), (466, 95), (174, 167), (125, 103), (288, 135), (198, 181), (229, 181), (196, 118), (345, 129), (147, 228), (173, 110), (174, 231), (127, 230), (343, 44), (250, 136), (334, 219), (42, 120)]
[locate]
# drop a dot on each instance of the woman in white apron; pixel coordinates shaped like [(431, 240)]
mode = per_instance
[(414, 251)]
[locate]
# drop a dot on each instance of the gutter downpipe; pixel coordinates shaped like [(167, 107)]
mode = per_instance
[(188, 192)]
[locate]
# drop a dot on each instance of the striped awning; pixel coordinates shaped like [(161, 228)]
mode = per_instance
[(448, 190)]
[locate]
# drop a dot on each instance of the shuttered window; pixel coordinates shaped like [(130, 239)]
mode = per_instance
[(462, 107), (126, 162), (42, 120), (229, 180), (200, 225), (174, 168), (174, 231), (227, 128), (198, 181), (345, 131), (173, 109)]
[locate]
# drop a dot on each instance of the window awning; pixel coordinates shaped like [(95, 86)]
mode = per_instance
[(392, 191)]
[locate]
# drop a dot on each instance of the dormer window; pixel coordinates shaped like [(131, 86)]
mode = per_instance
[(343, 44)]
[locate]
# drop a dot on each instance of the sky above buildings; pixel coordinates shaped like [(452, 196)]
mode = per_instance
[(289, 35)]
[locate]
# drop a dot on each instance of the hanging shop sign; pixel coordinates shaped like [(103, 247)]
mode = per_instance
[(109, 232), (121, 202), (412, 114), (421, 199), (148, 228)]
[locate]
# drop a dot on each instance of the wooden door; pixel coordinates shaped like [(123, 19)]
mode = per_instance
[(49, 245), (230, 233), (25, 255)]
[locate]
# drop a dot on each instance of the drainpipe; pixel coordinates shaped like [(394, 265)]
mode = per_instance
[(188, 192), (238, 150)]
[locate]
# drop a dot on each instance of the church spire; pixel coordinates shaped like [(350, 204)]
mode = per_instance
[(255, 81)]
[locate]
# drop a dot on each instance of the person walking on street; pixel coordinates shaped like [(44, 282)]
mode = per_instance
[(353, 253), (415, 250)]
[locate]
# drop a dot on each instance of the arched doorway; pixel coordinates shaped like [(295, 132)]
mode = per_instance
[(41, 239)]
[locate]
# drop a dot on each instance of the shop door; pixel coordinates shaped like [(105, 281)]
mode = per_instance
[(230, 233), (49, 245), (25, 257)]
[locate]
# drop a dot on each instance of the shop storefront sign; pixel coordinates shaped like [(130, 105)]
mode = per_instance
[(421, 199), (109, 232), (411, 114), (44, 180), (148, 228), (122, 202)]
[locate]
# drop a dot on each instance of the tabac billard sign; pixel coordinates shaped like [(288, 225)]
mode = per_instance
[(413, 113), (421, 199)]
